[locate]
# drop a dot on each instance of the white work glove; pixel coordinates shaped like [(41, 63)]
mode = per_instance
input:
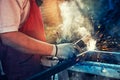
[(60, 52), (65, 51)]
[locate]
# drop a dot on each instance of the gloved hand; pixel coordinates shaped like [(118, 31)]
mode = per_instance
[(66, 51), (60, 52)]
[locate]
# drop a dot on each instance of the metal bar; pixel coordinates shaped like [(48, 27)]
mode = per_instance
[(101, 56), (101, 69)]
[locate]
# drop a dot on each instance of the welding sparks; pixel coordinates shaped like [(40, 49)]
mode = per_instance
[(91, 45)]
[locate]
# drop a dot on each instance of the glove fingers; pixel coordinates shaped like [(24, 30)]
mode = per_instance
[(66, 51)]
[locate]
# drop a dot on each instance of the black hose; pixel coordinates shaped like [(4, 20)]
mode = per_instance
[(53, 70)]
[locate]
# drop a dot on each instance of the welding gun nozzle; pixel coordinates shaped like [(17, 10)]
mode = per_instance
[(80, 46)]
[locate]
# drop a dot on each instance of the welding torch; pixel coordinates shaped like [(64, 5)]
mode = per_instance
[(63, 64)]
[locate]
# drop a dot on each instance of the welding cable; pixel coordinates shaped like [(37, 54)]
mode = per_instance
[(53, 77), (53, 70), (60, 61)]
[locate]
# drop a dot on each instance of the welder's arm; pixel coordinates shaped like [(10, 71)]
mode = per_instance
[(26, 44)]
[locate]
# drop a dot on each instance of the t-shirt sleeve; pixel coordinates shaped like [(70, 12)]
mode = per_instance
[(9, 16)]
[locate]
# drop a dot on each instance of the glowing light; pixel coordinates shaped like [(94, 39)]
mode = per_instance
[(91, 45)]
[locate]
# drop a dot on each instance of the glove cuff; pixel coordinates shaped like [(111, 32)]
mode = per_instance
[(55, 50)]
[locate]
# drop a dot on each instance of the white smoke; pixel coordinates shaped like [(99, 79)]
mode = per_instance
[(75, 24)]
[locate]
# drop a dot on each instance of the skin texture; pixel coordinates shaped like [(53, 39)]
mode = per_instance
[(27, 45)]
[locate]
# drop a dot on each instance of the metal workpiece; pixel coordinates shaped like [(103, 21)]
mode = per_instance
[(101, 63), (100, 56), (97, 68)]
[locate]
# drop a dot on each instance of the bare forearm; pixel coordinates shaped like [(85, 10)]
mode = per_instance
[(26, 44)]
